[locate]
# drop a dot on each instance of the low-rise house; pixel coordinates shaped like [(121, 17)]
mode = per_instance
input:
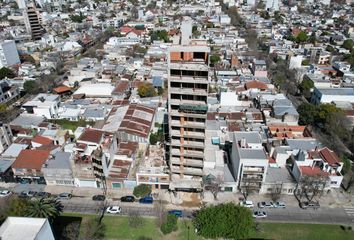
[(319, 163), (57, 170), (137, 123), (45, 105), (327, 95), (249, 161), (28, 165)]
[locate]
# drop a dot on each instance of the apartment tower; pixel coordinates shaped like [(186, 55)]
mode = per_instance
[(188, 65), (33, 22)]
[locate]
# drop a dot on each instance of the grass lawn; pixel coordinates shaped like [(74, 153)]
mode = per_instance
[(117, 227), (297, 231), (71, 125)]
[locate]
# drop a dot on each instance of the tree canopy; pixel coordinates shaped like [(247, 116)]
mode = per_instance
[(302, 37), (44, 208), (147, 90), (159, 35), (305, 86), (6, 72), (142, 190), (31, 87), (228, 221), (348, 44), (214, 59)]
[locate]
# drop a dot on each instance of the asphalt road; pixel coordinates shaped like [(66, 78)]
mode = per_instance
[(326, 215), (340, 215)]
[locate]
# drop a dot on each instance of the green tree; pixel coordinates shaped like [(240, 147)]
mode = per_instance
[(159, 35), (6, 72), (227, 221), (305, 62), (305, 87), (142, 190), (348, 44), (302, 37), (147, 90), (3, 107), (347, 165), (170, 225), (31, 87), (77, 18), (214, 59), (44, 208), (307, 112), (329, 48)]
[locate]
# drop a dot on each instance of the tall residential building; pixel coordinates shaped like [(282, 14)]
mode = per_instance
[(8, 54), (33, 22), (188, 92), (272, 5)]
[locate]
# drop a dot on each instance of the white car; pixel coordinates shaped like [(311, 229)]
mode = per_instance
[(113, 209), (259, 214), (280, 205), (5, 193), (247, 204)]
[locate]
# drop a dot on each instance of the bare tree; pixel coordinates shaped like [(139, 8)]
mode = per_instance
[(246, 188), (276, 192), (134, 219), (311, 187), (215, 186), (160, 212)]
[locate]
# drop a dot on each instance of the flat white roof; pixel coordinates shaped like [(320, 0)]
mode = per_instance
[(96, 90), (15, 228)]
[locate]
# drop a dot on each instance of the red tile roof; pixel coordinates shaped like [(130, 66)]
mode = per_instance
[(31, 159), (91, 135), (62, 89), (329, 156), (121, 87), (137, 120), (312, 171), (42, 140), (256, 84)]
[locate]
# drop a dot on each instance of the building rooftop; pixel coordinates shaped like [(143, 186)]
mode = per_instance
[(336, 91), (24, 228), (31, 159), (14, 150), (254, 154), (91, 135), (278, 175), (61, 160)]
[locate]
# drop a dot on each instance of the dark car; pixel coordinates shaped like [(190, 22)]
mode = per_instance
[(43, 195), (98, 198), (177, 213), (146, 200), (127, 199), (306, 205), (28, 194)]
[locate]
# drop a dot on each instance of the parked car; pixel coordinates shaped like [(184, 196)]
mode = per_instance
[(43, 195), (306, 205), (146, 200), (265, 205), (280, 205), (65, 196), (247, 204), (177, 213), (127, 199), (98, 198), (113, 209), (28, 194), (259, 214), (5, 193)]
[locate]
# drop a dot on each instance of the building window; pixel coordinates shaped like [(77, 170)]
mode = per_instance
[(333, 182), (228, 189), (116, 185), (290, 190)]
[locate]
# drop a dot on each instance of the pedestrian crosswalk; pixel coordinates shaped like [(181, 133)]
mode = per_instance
[(349, 210)]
